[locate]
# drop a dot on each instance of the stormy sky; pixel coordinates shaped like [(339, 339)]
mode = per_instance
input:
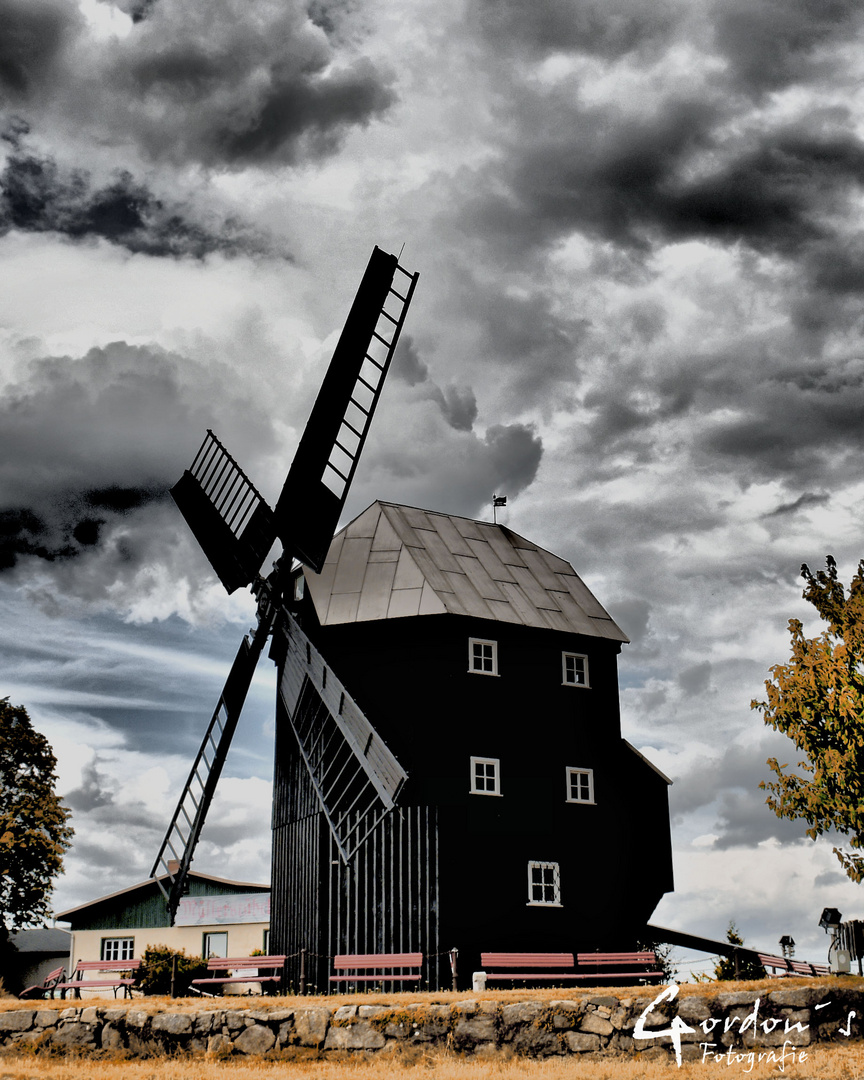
[(638, 227)]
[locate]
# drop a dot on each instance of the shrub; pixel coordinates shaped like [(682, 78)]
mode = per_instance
[(155, 977)]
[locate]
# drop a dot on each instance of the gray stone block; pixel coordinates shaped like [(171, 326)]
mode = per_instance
[(74, 1035), (311, 1025), (257, 1039), (220, 1045), (596, 1025), (172, 1024), (524, 1012), (17, 1020), (579, 1042), (359, 1036)]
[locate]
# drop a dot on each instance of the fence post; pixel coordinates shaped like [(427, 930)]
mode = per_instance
[(302, 972), (453, 954)]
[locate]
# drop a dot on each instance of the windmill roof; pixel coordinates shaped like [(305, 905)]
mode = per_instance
[(397, 561)]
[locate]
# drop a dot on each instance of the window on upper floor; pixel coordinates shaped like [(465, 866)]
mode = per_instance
[(544, 884), (580, 785), (482, 656), (117, 948), (574, 669), (485, 776)]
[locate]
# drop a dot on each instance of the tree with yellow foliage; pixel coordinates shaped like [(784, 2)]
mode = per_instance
[(817, 699)]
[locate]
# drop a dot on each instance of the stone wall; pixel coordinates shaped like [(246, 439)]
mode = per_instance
[(652, 1020)]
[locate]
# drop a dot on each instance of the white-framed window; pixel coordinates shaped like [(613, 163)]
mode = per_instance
[(544, 884), (580, 785), (117, 948), (215, 944), (482, 656), (574, 669), (485, 776)]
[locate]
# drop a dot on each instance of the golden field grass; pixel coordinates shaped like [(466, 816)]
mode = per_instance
[(835, 1063)]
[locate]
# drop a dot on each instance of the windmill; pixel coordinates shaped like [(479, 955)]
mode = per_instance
[(237, 529), (449, 766)]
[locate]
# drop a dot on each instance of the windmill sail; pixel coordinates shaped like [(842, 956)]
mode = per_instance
[(178, 847), (314, 493), (355, 776), (230, 520)]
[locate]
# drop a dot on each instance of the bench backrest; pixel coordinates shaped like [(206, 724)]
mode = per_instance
[(374, 961), (793, 967), (55, 976), (527, 960), (230, 963), (106, 965), (617, 958)]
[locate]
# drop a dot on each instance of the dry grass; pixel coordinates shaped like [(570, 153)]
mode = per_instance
[(444, 997), (835, 1063)]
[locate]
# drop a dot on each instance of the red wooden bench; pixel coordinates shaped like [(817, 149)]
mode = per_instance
[(48, 985), (783, 966), (377, 967), (613, 965), (124, 981), (267, 971), (556, 962)]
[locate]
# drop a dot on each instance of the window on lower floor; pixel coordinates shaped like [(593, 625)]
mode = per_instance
[(544, 883), (580, 785), (482, 656), (215, 945), (574, 669), (485, 776), (117, 948)]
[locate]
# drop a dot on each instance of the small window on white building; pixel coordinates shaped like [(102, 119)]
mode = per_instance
[(574, 669), (117, 948), (266, 941), (580, 785), (482, 656), (215, 944), (544, 884), (485, 776)]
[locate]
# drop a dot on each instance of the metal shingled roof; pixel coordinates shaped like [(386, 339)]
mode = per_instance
[(396, 561)]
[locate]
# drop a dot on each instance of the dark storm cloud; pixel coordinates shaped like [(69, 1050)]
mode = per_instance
[(732, 781), (792, 428), (774, 43), (214, 86), (675, 175), (86, 442), (458, 405), (135, 9), (226, 89), (695, 679), (594, 27), (804, 501), (34, 35), (407, 365), (37, 195)]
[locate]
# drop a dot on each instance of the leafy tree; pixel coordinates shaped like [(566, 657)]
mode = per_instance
[(33, 829), (817, 699), (737, 967)]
